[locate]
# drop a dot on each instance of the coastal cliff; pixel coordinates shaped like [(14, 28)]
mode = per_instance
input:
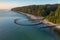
[(50, 12)]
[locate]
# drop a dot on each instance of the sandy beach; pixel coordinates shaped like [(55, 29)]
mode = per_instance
[(42, 20)]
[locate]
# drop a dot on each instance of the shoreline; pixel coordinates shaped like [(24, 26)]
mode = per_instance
[(42, 20)]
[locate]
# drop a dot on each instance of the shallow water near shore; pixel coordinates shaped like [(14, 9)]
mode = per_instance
[(11, 31)]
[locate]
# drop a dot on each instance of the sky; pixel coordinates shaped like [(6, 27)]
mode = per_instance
[(8, 4)]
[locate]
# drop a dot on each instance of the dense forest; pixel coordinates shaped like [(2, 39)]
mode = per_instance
[(51, 12)]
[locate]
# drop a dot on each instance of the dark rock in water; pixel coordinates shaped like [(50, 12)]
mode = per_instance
[(52, 26), (57, 31)]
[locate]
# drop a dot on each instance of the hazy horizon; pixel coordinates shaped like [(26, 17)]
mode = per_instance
[(8, 4)]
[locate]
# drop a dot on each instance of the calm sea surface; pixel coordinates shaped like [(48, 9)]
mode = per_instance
[(11, 31)]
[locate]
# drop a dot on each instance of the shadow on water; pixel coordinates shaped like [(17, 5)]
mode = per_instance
[(27, 23)]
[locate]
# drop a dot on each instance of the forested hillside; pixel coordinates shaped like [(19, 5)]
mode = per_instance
[(54, 16), (50, 12)]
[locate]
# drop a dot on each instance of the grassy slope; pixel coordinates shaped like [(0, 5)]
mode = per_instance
[(54, 16)]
